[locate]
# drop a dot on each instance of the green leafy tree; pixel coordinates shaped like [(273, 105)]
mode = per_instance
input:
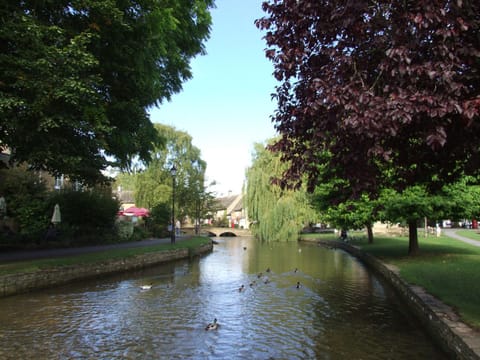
[(334, 200), (77, 78), (353, 214), (277, 214), (408, 207), (154, 185), (462, 199)]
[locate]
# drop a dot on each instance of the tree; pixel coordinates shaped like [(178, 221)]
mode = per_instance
[(77, 78), (154, 185), (408, 207), (379, 85), (332, 198), (278, 215)]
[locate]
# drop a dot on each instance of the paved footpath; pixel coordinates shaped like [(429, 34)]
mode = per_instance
[(53, 253), (453, 234)]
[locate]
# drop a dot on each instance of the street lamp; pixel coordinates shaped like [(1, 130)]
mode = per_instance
[(173, 171)]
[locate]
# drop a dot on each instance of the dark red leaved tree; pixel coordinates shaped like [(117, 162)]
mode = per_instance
[(377, 84)]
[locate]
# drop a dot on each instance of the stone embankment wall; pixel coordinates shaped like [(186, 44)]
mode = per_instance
[(24, 282), (456, 338)]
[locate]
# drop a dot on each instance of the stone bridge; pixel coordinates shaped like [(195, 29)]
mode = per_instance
[(218, 231)]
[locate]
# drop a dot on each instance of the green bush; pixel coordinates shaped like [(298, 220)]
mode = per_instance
[(124, 230), (27, 206), (88, 217), (157, 222)]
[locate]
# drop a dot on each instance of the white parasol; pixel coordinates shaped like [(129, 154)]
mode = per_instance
[(56, 217)]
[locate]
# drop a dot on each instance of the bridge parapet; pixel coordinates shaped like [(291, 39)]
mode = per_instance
[(219, 231)]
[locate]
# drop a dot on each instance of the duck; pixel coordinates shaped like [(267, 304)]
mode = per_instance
[(212, 326), (298, 285), (259, 275), (146, 286), (268, 270), (266, 280), (241, 288), (253, 283)]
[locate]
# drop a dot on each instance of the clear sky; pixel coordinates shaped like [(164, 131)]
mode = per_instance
[(226, 106)]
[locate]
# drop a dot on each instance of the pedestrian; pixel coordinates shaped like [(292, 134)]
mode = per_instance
[(177, 228)]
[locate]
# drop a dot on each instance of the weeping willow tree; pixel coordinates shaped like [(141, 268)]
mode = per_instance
[(276, 214)]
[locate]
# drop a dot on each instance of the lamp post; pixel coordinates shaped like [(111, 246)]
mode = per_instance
[(173, 171)]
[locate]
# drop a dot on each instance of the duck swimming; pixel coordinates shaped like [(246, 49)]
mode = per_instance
[(241, 288), (298, 285), (146, 287), (212, 326)]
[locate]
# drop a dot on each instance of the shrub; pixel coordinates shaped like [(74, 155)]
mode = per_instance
[(26, 205), (89, 216)]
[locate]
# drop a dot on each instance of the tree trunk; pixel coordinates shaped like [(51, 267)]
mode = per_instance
[(413, 248), (370, 233)]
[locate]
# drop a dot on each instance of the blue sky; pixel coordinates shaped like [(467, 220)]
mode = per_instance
[(226, 106)]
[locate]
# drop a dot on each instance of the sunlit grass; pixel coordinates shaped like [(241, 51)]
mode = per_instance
[(112, 254), (447, 268), (473, 234)]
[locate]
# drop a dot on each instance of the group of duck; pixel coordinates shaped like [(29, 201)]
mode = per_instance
[(265, 279), (214, 325)]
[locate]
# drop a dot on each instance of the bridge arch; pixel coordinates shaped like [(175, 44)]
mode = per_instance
[(218, 231)]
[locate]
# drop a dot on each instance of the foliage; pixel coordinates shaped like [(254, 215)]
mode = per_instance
[(222, 221), (78, 78), (333, 199), (456, 201), (160, 217), (89, 216), (27, 205), (124, 230), (277, 215), (155, 184), (462, 199), (385, 84)]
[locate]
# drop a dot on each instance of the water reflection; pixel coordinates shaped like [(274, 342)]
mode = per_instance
[(339, 311)]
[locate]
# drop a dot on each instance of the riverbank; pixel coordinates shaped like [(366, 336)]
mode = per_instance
[(27, 274), (442, 322)]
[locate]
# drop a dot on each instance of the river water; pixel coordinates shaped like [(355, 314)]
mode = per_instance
[(340, 311)]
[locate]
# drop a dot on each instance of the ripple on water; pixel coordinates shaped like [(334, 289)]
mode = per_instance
[(340, 311)]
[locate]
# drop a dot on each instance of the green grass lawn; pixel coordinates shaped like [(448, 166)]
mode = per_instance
[(473, 234), (112, 254), (448, 269)]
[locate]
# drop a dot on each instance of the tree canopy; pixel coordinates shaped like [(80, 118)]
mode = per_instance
[(153, 186), (277, 214), (77, 77), (376, 84)]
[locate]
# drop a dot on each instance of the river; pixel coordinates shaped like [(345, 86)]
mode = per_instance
[(299, 301)]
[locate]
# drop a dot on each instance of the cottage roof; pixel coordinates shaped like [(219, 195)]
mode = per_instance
[(225, 202)]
